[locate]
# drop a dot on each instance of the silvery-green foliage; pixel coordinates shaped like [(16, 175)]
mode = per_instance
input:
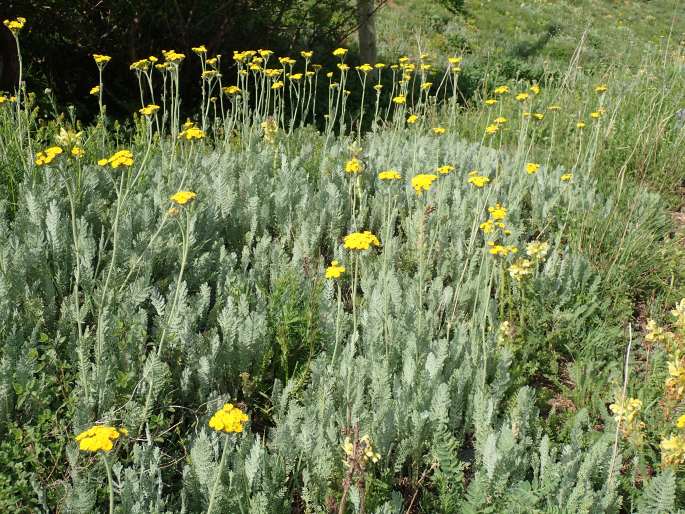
[(423, 374)]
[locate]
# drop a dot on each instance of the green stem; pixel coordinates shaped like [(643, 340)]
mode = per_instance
[(217, 479), (110, 486)]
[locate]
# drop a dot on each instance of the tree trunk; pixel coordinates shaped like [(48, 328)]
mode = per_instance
[(367, 31)]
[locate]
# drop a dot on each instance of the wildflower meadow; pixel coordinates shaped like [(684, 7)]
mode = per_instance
[(346, 287)]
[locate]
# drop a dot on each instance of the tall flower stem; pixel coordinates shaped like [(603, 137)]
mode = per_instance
[(110, 483), (217, 479)]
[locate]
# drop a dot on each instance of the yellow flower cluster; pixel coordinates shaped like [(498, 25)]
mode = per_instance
[(199, 50), (95, 90), (354, 166), (183, 197), (389, 175), (413, 118), (99, 437), (498, 212), (522, 97), (537, 250), (501, 250), (400, 99), (172, 56), (365, 449), (673, 450), (532, 168), (149, 110), (501, 90), (231, 90), (521, 269), (566, 177), (101, 60), (477, 180), (627, 410), (15, 25), (334, 270), (360, 241), (190, 131), (47, 155), (439, 131), (120, 158), (675, 383), (445, 169), (340, 52), (491, 129), (228, 419), (422, 182)]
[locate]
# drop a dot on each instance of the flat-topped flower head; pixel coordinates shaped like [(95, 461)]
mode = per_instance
[(499, 250), (15, 25), (172, 56), (400, 99), (354, 166), (334, 270), (422, 182), (580, 124), (439, 131), (500, 120), (95, 90), (601, 88), (140, 65), (47, 155), (77, 152), (389, 175), (535, 89), (445, 169), (99, 438), (490, 102), (228, 419), (101, 60), (567, 177), (491, 129), (190, 131), (532, 168), (183, 197), (340, 52), (498, 212), (120, 158), (501, 90), (477, 180), (413, 118), (537, 250), (360, 241), (522, 97), (149, 110), (520, 269), (199, 50)]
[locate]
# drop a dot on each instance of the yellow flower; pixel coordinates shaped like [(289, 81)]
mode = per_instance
[(491, 129), (439, 131), (490, 101), (295, 76), (77, 152), (422, 182), (191, 132), (228, 419), (365, 68), (199, 50), (498, 212), (567, 177), (340, 52), (149, 110), (676, 383), (501, 90), (501, 250), (307, 54), (101, 60), (183, 197), (399, 100), (580, 124), (412, 119), (378, 87), (426, 85), (521, 97), (595, 115), (500, 120), (334, 270), (141, 65), (477, 180), (445, 169), (354, 166), (679, 314), (554, 107), (600, 88), (532, 168), (120, 158), (265, 53), (47, 155), (277, 85), (537, 250), (15, 25), (171, 56), (538, 116), (520, 269), (99, 437), (95, 90), (231, 90), (535, 89), (487, 226), (680, 422), (673, 450), (360, 241), (454, 61), (389, 175)]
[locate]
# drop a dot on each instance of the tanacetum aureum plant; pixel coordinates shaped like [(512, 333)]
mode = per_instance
[(240, 313)]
